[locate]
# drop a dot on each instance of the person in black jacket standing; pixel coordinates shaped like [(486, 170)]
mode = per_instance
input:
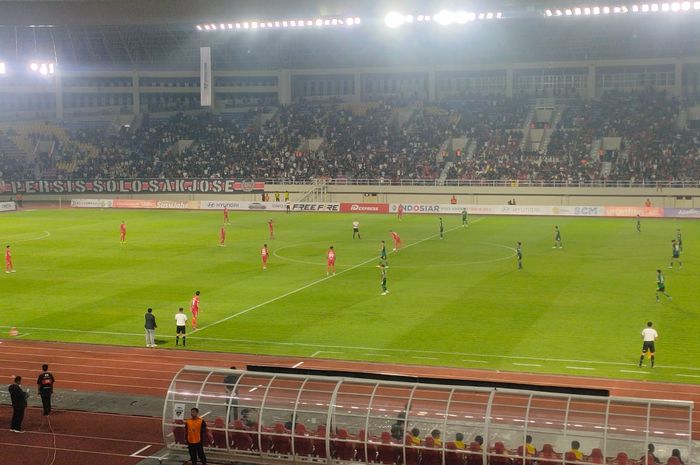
[(150, 326), (19, 404), (45, 384)]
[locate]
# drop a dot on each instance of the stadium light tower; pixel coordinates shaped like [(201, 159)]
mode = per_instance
[(44, 69)]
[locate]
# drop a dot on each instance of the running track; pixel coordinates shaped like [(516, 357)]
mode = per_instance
[(131, 370)]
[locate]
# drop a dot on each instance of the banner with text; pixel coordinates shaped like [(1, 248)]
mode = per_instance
[(364, 207), (135, 186), (682, 212), (270, 206), (91, 203), (7, 206)]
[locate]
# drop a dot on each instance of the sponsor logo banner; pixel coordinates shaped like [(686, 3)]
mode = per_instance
[(364, 207), (91, 203), (7, 206), (134, 203), (653, 212), (682, 212), (240, 205), (134, 186), (578, 211), (178, 204), (317, 207)]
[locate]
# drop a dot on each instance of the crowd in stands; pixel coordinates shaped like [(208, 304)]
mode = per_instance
[(393, 447), (387, 140)]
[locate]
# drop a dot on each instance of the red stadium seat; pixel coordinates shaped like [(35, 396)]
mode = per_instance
[(412, 451), (342, 449), (179, 433), (569, 458), (366, 451), (673, 460), (621, 459), (281, 442), (303, 444), (240, 438), (499, 455), (388, 452), (475, 455), (319, 442), (218, 434), (453, 456), (597, 456), (430, 455)]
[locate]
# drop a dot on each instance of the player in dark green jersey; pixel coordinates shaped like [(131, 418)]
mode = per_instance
[(382, 255), (519, 254), (382, 269), (679, 239), (465, 218), (639, 224), (442, 229), (557, 238), (661, 286), (675, 255)]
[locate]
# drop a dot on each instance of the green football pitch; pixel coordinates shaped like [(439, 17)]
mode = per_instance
[(458, 301)]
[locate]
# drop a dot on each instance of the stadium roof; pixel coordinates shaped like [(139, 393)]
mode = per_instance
[(103, 12)]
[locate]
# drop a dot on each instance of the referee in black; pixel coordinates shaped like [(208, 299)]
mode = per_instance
[(45, 384)]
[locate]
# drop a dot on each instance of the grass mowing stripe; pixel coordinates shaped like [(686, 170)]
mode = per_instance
[(311, 284)]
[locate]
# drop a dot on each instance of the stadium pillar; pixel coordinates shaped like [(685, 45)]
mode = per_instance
[(284, 87), (678, 82), (357, 88), (136, 92), (509, 82), (432, 86), (590, 82), (58, 90)]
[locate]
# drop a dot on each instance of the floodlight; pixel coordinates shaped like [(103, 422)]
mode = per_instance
[(586, 11), (263, 25), (34, 66), (489, 15), (427, 18), (254, 25), (246, 25), (617, 10), (558, 13), (568, 12), (654, 7), (499, 15), (357, 20), (596, 10), (606, 10), (461, 17), (685, 6), (409, 19), (696, 5), (665, 7), (319, 22), (548, 12), (285, 24), (309, 23), (2, 68), (577, 11), (199, 28), (222, 26), (238, 25), (419, 18), (444, 17), (213, 26), (334, 22)]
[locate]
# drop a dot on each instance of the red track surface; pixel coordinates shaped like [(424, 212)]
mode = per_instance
[(144, 371), (81, 438)]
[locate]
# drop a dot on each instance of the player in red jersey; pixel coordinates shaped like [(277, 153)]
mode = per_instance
[(226, 221), (194, 308), (222, 236), (9, 268), (264, 254), (397, 240), (330, 265), (271, 227), (122, 232), (400, 212)]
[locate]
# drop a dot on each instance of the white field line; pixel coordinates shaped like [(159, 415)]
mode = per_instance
[(527, 364), (359, 348), (637, 372), (311, 284), (44, 235), (297, 365), (139, 451), (581, 368)]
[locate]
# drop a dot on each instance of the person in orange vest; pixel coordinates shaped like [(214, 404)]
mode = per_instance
[(196, 433), (453, 200)]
